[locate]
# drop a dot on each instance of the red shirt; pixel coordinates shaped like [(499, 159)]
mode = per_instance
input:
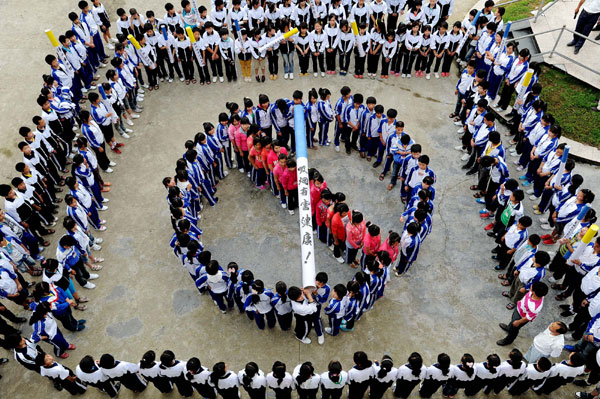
[(392, 251), (372, 244), (257, 160), (315, 194), (337, 227), (321, 213), (289, 180)]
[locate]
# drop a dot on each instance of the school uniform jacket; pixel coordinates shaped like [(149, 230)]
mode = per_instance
[(287, 383)]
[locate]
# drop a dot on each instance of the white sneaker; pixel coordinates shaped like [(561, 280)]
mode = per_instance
[(214, 79), (322, 74), (337, 148), (306, 341), (437, 75), (284, 205), (84, 90), (112, 39), (138, 109), (110, 46), (89, 286), (458, 123), (321, 339), (145, 86), (104, 201), (428, 76), (552, 280), (129, 122), (533, 197), (225, 173), (291, 211), (96, 247), (162, 79), (241, 170), (403, 75), (328, 330), (102, 65), (465, 157), (285, 75), (93, 276), (530, 191), (112, 163), (92, 87), (98, 240), (102, 228), (125, 135), (458, 148), (102, 221), (543, 220), (108, 170), (170, 80), (292, 78), (221, 79), (135, 116), (75, 127), (408, 75), (340, 260), (520, 168), (514, 154), (316, 74), (139, 99), (104, 208), (181, 79)]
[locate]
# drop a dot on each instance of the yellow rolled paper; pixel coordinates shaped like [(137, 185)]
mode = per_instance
[(52, 38), (188, 29), (134, 42), (354, 28), (528, 76), (290, 33), (589, 235)]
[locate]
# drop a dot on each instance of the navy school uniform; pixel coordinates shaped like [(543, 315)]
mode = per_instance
[(176, 375), (322, 295), (560, 374), (29, 356), (460, 379), (224, 139), (304, 314), (507, 375), (59, 373), (219, 287), (262, 309), (406, 381), (309, 388), (228, 386), (282, 387), (379, 385), (485, 379), (98, 379), (330, 389), (240, 297), (206, 159), (152, 374), (326, 116), (257, 389), (127, 374), (48, 327), (375, 285), (359, 381), (216, 147), (283, 311), (531, 378), (340, 110), (335, 312), (350, 305), (201, 383), (432, 381)]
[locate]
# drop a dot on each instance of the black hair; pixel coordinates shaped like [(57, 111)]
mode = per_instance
[(385, 366), (279, 371), (361, 360), (415, 362), (334, 370), (443, 363), (218, 371), (306, 371), (250, 371)]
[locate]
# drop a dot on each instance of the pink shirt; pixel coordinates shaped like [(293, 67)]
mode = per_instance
[(355, 234), (231, 131), (274, 157), (528, 307), (278, 173), (392, 251), (241, 140), (289, 180), (372, 244), (315, 194), (257, 159)]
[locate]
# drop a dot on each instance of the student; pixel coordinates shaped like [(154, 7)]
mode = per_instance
[(513, 77), (212, 40), (528, 273), (149, 368), (424, 53), (326, 115), (463, 376), (60, 304), (306, 381), (289, 183), (124, 373), (183, 50), (361, 50), (534, 375), (227, 51), (375, 45), (280, 381), (217, 282), (199, 377), (283, 306), (562, 373), (412, 43), (46, 329), (409, 375), (384, 375), (61, 376), (487, 376), (436, 375), (287, 47), (318, 43), (321, 296), (372, 242), (253, 380), (151, 58), (226, 383), (174, 371), (467, 77), (510, 370), (90, 374), (335, 310), (332, 31), (360, 375), (260, 303), (333, 381), (304, 307), (526, 311), (410, 244)]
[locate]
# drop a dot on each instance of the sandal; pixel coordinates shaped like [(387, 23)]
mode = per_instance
[(510, 306), (353, 265), (368, 159), (81, 307), (34, 272), (474, 187), (194, 81), (557, 286), (156, 87), (452, 115), (505, 283), (505, 294), (561, 297), (95, 267), (46, 244), (502, 276), (83, 299), (381, 177), (456, 119), (478, 195), (187, 82), (150, 88)]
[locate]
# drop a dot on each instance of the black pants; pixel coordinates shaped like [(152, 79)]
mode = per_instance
[(203, 74), (320, 60), (273, 60), (5, 328), (513, 331), (67, 320), (447, 62), (396, 65), (162, 62), (506, 95), (81, 273), (421, 63), (344, 61), (330, 59), (359, 64), (409, 59), (558, 266), (385, 66), (230, 70), (292, 199), (108, 132), (188, 69), (103, 161), (580, 322), (372, 61), (303, 61), (585, 24), (152, 76), (303, 325), (216, 67), (339, 248)]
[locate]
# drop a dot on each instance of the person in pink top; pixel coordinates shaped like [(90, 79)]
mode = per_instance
[(272, 160), (241, 146), (278, 171), (317, 183), (526, 311), (355, 235), (371, 244), (258, 171), (289, 182), (391, 245), (232, 132)]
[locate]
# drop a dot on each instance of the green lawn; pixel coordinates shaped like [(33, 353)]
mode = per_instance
[(570, 102), (522, 9)]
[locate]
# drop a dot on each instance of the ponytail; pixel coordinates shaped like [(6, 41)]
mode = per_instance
[(386, 367), (493, 361), (279, 370), (281, 289), (415, 362), (306, 371), (444, 363), (250, 371), (219, 371), (147, 360), (468, 362), (335, 369)]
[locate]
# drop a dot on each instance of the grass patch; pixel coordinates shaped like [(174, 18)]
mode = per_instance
[(522, 9), (570, 102)]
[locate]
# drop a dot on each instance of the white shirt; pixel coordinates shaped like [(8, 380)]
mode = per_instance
[(592, 6), (548, 344)]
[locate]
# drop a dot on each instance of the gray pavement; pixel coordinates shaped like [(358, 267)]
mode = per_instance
[(450, 301)]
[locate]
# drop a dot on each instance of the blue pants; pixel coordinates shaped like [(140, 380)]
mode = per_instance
[(285, 320), (395, 172), (495, 82), (532, 168), (388, 164), (317, 322), (96, 192), (260, 319), (31, 243), (218, 170), (99, 46), (380, 150), (403, 264), (219, 299), (322, 233), (59, 343), (227, 154), (585, 24), (459, 99), (362, 143), (545, 200), (71, 290), (207, 192), (310, 134), (372, 145), (525, 154), (94, 217), (334, 324), (338, 132), (323, 132)]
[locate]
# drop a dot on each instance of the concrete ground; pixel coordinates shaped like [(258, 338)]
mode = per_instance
[(450, 301)]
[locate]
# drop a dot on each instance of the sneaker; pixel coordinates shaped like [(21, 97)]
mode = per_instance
[(337, 148), (292, 78), (408, 75), (181, 79), (530, 191), (284, 205), (129, 122), (403, 75), (321, 338), (109, 170), (222, 80), (89, 286), (138, 109), (489, 227), (526, 183), (316, 74), (291, 211), (322, 74), (328, 330), (170, 80), (340, 260), (93, 276), (214, 79), (98, 240), (437, 75), (427, 76), (520, 168), (543, 220), (465, 157), (484, 215), (96, 247), (583, 395), (241, 170), (458, 148), (306, 341), (331, 248), (125, 135), (135, 116), (105, 200), (285, 75), (111, 163), (102, 228), (532, 197)]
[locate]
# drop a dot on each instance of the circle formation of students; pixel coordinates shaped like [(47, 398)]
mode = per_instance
[(32, 203)]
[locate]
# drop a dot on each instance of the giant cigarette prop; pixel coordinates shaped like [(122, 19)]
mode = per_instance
[(466, 36), (523, 90), (196, 13), (169, 50), (361, 50), (60, 53), (143, 56), (563, 162), (504, 38), (306, 234), (570, 232), (277, 38), (587, 238), (195, 46)]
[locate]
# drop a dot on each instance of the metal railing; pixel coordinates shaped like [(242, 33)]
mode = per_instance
[(540, 9), (553, 52)]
